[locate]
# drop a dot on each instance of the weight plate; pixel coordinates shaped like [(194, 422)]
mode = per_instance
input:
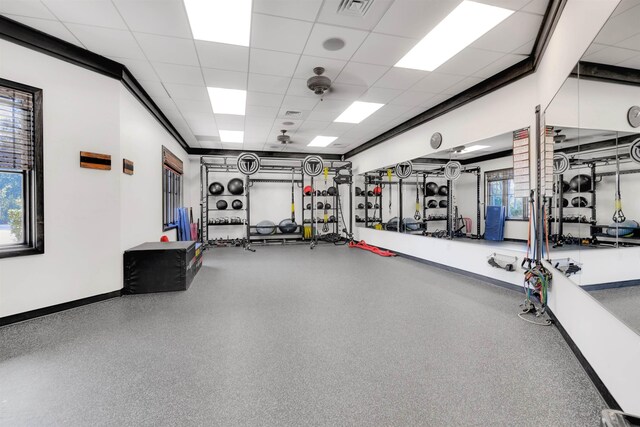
[(634, 150), (452, 170), (560, 163), (312, 165), (436, 140), (404, 169), (248, 163)]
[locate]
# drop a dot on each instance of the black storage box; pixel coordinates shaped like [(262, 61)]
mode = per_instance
[(161, 267)]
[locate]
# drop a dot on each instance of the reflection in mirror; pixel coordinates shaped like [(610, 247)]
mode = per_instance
[(470, 192), (595, 125)]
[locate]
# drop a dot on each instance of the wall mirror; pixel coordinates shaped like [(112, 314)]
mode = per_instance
[(593, 210)]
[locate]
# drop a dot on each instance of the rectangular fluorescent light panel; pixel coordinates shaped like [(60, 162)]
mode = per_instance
[(227, 101), (464, 25), (358, 111), (236, 136), (473, 148), (322, 141), (221, 21)]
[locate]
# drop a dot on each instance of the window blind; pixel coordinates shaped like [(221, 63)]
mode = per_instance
[(16, 130)]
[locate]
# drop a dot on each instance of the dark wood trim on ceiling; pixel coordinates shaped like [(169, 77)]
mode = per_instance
[(505, 77), (278, 154), (606, 73), (31, 38), (607, 143)]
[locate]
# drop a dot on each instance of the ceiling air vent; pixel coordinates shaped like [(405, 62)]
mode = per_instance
[(354, 7), (291, 113)]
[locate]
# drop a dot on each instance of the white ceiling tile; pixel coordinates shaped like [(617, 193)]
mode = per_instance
[(229, 122), (379, 94), (261, 111), (225, 79), (165, 17), (499, 65), (462, 86), (101, 13), (29, 8), (536, 6), (631, 42), (168, 49), (412, 98), (310, 127), (400, 78), (223, 56), (619, 27), (299, 87), (107, 42), (155, 89), (203, 128), (213, 145), (437, 82), (593, 48), (332, 67), (323, 116), (296, 9), (180, 91), (506, 4), (623, 6), (416, 20), (525, 49), (469, 61), (54, 28), (141, 69), (432, 102), (389, 111), (264, 99), (338, 129), (172, 73), (291, 102), (281, 34), (187, 106), (511, 33), (631, 63), (611, 55), (332, 106), (356, 73), (344, 91), (272, 63), (383, 49), (328, 15), (268, 84), (321, 32)]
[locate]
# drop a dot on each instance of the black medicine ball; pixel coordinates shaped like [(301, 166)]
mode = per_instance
[(580, 183), (369, 205), (430, 189), (331, 191), (308, 206), (370, 193), (320, 205), (579, 202), (235, 186), (443, 190), (443, 203), (360, 205), (327, 206), (432, 203), (287, 226), (221, 204), (216, 188), (565, 202), (358, 191), (565, 186), (237, 204)]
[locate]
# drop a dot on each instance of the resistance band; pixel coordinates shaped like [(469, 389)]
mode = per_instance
[(417, 216), (376, 250)]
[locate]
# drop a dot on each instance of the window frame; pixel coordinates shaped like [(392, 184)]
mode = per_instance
[(505, 195), (172, 192), (33, 184)]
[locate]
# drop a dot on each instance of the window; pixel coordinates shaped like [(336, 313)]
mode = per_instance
[(171, 188), (499, 191), (21, 177)]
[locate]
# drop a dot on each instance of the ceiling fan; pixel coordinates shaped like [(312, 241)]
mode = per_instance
[(284, 139), (319, 84)]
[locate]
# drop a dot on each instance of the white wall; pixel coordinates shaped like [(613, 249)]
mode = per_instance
[(90, 215)]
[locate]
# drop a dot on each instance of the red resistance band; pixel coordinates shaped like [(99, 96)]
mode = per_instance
[(363, 245)]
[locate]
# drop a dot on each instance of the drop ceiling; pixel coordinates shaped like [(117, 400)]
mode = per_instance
[(618, 43), (152, 38)]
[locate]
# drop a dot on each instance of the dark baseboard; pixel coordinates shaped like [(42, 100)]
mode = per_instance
[(595, 379), (20, 317), (611, 285)]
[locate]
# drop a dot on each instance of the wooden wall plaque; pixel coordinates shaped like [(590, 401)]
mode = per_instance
[(95, 161), (127, 166)]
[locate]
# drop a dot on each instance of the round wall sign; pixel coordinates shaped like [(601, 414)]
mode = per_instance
[(248, 163), (452, 170), (404, 170), (560, 163), (312, 165), (634, 150)]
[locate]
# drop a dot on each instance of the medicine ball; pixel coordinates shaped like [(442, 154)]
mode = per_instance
[(287, 226), (377, 190), (360, 205), (443, 190), (580, 183), (236, 204), (332, 218), (369, 205), (308, 190), (565, 202), (410, 224), (331, 191), (430, 189), (443, 203), (235, 186), (432, 203), (221, 204), (579, 202), (358, 191), (376, 206), (370, 193), (357, 218), (265, 227), (216, 188), (392, 225), (308, 206), (623, 229), (327, 206), (318, 193), (324, 193), (565, 186), (319, 205)]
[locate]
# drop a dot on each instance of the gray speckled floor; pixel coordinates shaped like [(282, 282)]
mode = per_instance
[(624, 303), (285, 336)]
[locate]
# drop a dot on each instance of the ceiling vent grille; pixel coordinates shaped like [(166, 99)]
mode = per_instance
[(357, 8), (291, 113)]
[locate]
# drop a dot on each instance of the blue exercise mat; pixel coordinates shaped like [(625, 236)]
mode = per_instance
[(494, 223)]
